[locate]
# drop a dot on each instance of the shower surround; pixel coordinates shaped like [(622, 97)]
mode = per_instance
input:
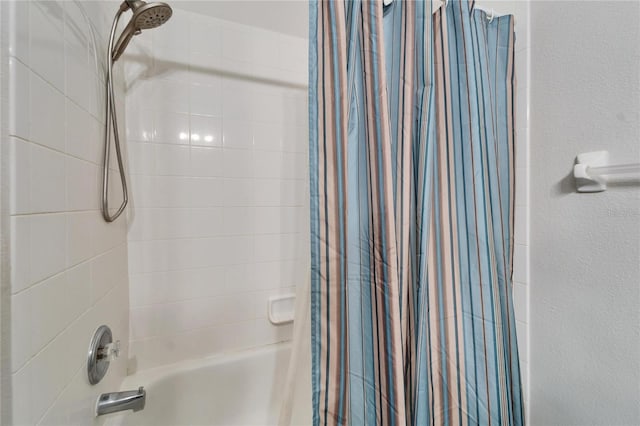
[(68, 267), (217, 145), (216, 141)]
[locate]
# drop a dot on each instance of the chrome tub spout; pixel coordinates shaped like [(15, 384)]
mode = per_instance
[(121, 401)]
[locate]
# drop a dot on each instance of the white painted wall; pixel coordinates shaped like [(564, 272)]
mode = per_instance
[(217, 141), (585, 248), (68, 267)]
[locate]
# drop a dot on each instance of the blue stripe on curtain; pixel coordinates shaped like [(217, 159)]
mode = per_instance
[(314, 205)]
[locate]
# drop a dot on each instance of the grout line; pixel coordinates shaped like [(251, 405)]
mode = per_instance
[(66, 269), (64, 95), (292, 259), (263, 291), (91, 306), (190, 330), (59, 396), (57, 151), (49, 213), (216, 236), (270, 206), (218, 177)]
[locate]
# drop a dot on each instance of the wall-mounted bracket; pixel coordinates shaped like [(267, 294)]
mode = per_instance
[(586, 181)]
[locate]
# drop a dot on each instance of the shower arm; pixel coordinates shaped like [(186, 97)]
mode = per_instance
[(111, 115)]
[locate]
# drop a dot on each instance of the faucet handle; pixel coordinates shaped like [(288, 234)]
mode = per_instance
[(110, 350), (115, 351)]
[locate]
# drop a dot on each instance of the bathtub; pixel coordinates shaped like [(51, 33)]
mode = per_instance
[(243, 388)]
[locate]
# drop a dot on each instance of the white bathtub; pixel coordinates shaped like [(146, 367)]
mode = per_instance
[(244, 388)]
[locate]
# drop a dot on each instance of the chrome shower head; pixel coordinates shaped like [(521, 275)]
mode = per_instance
[(145, 16), (149, 15)]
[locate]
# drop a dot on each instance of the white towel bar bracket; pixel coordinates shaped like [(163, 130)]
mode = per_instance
[(591, 169)]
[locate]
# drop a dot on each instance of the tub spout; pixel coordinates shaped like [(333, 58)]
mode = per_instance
[(121, 401)]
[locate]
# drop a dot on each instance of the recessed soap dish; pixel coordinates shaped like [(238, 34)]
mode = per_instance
[(281, 309)]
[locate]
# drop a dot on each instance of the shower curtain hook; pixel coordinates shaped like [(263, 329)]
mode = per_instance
[(490, 17)]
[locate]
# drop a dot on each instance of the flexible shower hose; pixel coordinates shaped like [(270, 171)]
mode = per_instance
[(111, 127)]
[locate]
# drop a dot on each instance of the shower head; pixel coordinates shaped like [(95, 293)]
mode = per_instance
[(145, 16), (149, 15)]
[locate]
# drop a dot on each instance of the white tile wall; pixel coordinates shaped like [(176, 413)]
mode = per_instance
[(217, 142), (520, 10), (68, 267)]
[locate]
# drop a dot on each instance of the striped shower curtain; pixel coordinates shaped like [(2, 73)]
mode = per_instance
[(412, 194)]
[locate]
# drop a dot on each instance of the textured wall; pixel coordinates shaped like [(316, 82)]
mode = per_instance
[(217, 141), (68, 267), (585, 248)]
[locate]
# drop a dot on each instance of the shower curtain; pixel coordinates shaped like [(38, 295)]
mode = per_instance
[(412, 195)]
